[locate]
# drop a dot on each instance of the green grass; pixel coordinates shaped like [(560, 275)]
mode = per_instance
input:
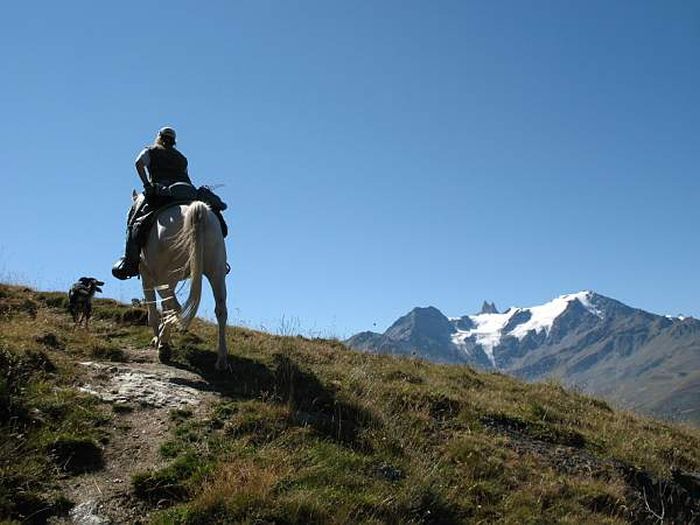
[(312, 432), (307, 431), (175, 482), (47, 428)]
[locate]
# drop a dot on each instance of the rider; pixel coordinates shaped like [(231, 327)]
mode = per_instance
[(158, 166)]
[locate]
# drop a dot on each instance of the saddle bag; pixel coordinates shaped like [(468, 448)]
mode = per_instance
[(182, 191), (205, 194)]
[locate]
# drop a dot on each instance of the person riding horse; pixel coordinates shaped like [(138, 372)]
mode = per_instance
[(163, 171)]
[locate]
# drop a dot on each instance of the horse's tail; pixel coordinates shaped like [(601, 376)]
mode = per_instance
[(191, 239)]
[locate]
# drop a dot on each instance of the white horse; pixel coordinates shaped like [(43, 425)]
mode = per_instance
[(185, 241)]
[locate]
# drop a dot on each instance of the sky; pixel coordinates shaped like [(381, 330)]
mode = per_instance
[(375, 155)]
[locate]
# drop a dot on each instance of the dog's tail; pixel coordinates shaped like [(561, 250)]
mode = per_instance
[(191, 240)]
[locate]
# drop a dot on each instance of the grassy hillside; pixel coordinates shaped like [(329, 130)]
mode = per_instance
[(307, 431)]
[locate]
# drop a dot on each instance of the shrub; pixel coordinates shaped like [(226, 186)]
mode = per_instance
[(75, 454), (170, 483)]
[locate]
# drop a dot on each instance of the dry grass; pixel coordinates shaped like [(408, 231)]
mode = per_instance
[(431, 443), (310, 432)]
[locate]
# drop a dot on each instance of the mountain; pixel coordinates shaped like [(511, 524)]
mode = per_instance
[(423, 332), (637, 359)]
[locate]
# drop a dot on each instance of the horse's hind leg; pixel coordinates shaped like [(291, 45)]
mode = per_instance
[(171, 303), (218, 286), (149, 294), (171, 308)]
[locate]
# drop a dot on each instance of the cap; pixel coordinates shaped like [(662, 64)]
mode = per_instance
[(167, 132)]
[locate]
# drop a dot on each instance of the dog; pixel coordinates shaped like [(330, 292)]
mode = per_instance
[(80, 299)]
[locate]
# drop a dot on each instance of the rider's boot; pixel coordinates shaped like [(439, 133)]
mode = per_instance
[(128, 266)]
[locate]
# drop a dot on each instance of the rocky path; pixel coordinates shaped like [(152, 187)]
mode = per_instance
[(143, 393)]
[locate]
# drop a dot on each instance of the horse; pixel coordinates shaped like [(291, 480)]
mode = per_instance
[(185, 241)]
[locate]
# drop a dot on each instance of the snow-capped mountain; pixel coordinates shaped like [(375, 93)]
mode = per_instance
[(489, 328), (641, 360)]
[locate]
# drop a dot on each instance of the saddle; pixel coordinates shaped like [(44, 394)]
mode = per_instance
[(149, 205)]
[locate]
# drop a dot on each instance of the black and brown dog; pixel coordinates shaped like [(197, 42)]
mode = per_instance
[(80, 299)]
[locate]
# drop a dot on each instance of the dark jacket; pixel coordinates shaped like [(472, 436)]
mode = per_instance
[(167, 166)]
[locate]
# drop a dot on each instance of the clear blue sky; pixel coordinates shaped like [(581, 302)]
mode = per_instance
[(376, 155)]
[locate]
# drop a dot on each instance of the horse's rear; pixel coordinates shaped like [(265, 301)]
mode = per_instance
[(186, 242)]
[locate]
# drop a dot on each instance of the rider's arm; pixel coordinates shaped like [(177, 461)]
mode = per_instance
[(141, 164), (141, 169)]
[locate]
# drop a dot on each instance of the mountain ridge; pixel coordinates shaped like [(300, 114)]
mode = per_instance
[(585, 339)]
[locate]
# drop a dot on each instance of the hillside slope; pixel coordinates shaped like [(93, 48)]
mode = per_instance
[(307, 431)]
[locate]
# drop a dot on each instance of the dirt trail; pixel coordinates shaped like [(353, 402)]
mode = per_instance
[(143, 393)]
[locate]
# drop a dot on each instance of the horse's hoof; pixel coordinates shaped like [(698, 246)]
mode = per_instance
[(154, 342), (165, 353)]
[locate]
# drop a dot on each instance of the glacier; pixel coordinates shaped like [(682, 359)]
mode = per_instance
[(489, 328)]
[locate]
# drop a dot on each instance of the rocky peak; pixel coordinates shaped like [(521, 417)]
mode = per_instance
[(488, 308), (428, 321)]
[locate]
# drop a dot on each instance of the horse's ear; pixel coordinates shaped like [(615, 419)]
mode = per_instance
[(134, 194)]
